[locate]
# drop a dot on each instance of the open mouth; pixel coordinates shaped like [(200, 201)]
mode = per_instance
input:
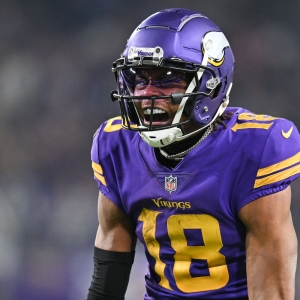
[(159, 116)]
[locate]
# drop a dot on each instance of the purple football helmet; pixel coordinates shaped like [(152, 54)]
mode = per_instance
[(179, 41)]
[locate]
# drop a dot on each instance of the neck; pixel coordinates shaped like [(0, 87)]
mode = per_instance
[(183, 145), (179, 148)]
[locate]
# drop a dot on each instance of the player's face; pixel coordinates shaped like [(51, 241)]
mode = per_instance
[(159, 82)]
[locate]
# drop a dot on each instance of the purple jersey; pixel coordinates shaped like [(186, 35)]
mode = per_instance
[(187, 217)]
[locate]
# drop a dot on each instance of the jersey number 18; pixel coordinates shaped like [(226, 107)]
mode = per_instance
[(176, 225)]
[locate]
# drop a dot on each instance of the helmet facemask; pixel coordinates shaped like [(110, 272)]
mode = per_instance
[(176, 83)]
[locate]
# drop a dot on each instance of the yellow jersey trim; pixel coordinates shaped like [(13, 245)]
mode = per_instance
[(281, 165), (277, 176), (98, 173), (97, 168)]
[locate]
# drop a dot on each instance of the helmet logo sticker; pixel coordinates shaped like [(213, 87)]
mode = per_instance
[(218, 43)]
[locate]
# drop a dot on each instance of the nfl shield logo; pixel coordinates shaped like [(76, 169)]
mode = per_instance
[(171, 184)]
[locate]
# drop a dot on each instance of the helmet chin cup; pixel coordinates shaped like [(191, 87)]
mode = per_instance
[(161, 138)]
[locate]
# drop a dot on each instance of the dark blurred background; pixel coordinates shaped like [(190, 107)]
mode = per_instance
[(55, 83)]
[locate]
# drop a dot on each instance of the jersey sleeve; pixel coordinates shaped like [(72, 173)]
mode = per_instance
[(279, 162), (103, 166)]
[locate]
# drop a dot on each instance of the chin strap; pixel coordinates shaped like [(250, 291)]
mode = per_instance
[(161, 138), (219, 112)]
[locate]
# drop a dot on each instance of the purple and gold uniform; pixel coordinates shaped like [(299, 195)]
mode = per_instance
[(187, 217)]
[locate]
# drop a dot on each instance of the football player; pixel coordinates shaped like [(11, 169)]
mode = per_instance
[(205, 187)]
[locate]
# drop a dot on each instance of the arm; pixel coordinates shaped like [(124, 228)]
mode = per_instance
[(114, 252), (271, 247), (116, 230)]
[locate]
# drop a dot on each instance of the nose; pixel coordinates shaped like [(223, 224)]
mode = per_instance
[(150, 90)]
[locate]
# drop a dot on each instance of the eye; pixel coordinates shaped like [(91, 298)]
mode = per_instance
[(172, 79), (140, 82)]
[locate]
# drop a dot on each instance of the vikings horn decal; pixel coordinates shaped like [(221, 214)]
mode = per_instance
[(219, 43)]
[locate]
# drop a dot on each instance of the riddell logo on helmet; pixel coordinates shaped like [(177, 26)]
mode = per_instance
[(143, 53)]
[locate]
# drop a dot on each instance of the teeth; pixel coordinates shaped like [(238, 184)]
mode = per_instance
[(147, 111)]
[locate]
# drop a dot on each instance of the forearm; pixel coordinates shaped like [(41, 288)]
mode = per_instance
[(271, 271), (111, 275)]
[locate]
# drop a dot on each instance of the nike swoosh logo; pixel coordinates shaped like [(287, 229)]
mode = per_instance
[(288, 133)]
